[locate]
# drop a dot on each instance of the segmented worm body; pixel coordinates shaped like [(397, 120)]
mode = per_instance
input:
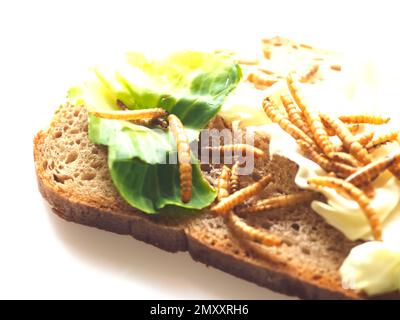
[(242, 229), (283, 201), (185, 167), (223, 183), (228, 203), (130, 114)]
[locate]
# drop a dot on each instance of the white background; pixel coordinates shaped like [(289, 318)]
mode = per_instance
[(46, 45)]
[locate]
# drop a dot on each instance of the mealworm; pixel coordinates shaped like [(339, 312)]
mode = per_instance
[(365, 138), (239, 148), (241, 228), (295, 115), (346, 158), (266, 52), (325, 163), (234, 181), (369, 190), (371, 171), (273, 113), (283, 201), (234, 199), (185, 167), (151, 122), (336, 67), (310, 73), (313, 119), (357, 195), (223, 183), (145, 122), (130, 114), (364, 118), (353, 128), (382, 140), (266, 71), (251, 61), (306, 46), (395, 170), (261, 79), (349, 141)]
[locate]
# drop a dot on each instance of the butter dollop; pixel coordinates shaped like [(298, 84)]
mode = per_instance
[(374, 267)]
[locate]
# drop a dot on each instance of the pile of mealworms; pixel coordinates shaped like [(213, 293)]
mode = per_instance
[(351, 169)]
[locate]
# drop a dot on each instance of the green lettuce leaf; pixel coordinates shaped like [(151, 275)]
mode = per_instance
[(150, 187), (191, 85)]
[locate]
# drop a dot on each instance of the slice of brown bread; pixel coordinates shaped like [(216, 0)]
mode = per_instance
[(73, 176)]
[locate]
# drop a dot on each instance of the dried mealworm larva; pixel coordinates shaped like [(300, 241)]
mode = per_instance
[(311, 72), (328, 165), (130, 114), (328, 129), (160, 121), (382, 140), (283, 201), (273, 113), (267, 71), (353, 128), (395, 170), (295, 115), (242, 229), (349, 141), (365, 138), (185, 167), (314, 121), (239, 148), (223, 183), (234, 181), (371, 171), (336, 67), (234, 199), (357, 195), (261, 79), (346, 158), (306, 46), (369, 190), (267, 52), (364, 118)]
